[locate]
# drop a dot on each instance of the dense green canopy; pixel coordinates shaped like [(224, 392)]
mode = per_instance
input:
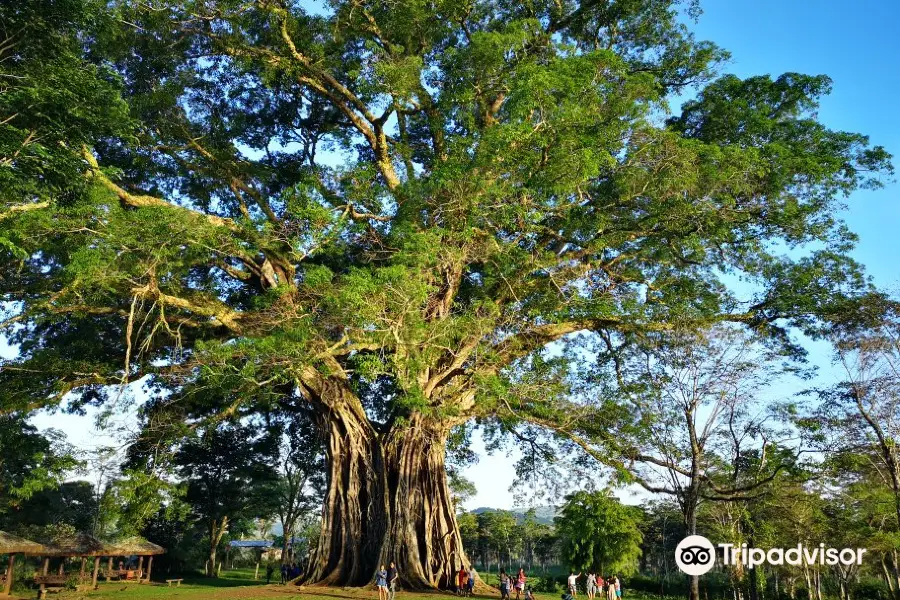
[(501, 181)]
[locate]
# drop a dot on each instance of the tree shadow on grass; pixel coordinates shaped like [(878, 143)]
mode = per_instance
[(200, 580)]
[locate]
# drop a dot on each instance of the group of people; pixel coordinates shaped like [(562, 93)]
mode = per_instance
[(289, 572), (607, 589), (386, 580), (465, 581), (517, 583)]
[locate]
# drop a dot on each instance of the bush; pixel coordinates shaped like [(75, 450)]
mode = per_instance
[(712, 585), (72, 581), (871, 589), (550, 584)]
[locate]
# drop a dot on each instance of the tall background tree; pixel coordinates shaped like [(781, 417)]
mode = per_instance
[(600, 534), (229, 471), (389, 211), (707, 433), (861, 414), (300, 482)]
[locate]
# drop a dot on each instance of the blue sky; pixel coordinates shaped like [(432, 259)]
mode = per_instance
[(857, 46)]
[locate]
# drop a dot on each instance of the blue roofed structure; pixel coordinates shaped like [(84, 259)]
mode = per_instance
[(251, 543)]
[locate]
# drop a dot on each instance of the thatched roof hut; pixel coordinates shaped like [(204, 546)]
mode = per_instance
[(136, 546), (13, 544), (80, 544)]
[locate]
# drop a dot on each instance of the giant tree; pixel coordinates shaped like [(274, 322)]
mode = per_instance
[(390, 210)]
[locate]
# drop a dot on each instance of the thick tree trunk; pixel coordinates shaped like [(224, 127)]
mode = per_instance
[(286, 535), (387, 500), (424, 539), (355, 518)]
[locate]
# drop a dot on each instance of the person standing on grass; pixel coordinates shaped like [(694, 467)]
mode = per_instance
[(618, 586), (462, 580), (504, 585), (381, 582), (520, 582), (591, 586), (392, 576), (470, 584), (269, 569), (573, 583), (611, 588)]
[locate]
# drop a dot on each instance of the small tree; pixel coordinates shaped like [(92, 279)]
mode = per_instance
[(504, 536), (662, 527)]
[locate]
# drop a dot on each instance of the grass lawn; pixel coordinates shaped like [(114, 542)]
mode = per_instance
[(239, 585)]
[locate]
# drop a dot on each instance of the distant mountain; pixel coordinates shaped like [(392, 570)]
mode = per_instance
[(543, 514)]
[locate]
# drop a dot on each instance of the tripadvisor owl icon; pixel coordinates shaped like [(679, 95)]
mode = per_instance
[(695, 555)]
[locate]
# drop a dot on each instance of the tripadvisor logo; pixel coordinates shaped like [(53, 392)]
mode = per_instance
[(696, 555)]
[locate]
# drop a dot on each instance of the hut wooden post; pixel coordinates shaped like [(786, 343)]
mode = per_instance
[(149, 568), (7, 587), (96, 569), (62, 567), (140, 569), (81, 572), (109, 562), (45, 568)]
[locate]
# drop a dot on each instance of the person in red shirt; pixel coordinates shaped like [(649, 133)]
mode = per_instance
[(462, 580)]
